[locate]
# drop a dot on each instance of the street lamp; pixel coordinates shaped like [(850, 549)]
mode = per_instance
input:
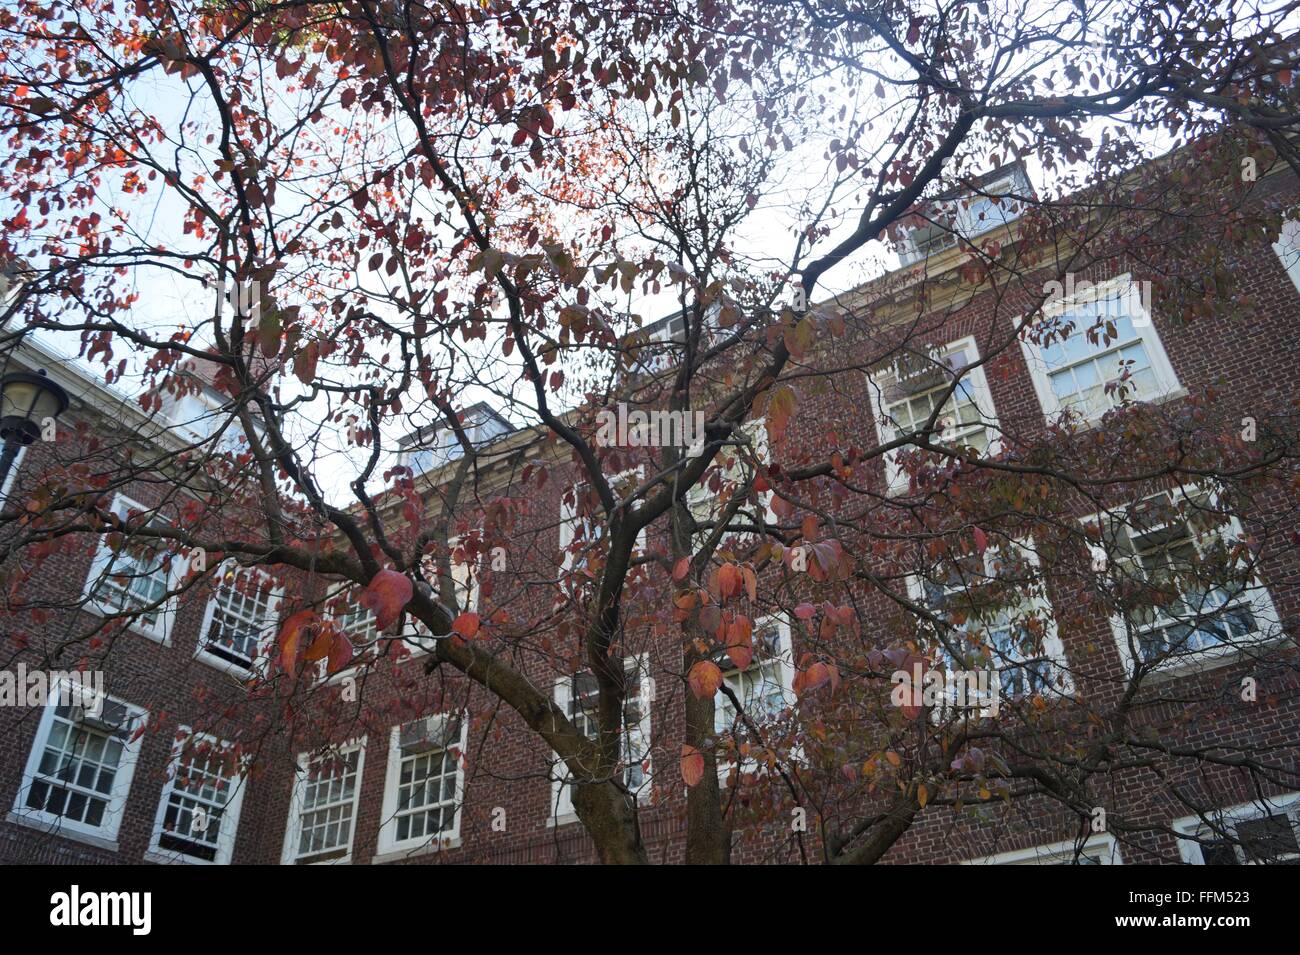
[(26, 400)]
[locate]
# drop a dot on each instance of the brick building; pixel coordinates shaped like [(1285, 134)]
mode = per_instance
[(425, 769)]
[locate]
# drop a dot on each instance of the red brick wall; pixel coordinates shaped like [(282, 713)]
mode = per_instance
[(1255, 362)]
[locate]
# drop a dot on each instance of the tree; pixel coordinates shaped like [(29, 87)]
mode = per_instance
[(381, 211)]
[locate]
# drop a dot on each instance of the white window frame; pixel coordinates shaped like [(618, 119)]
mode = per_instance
[(12, 477), (1194, 827), (1099, 849), (338, 592), (293, 829), (417, 637), (104, 834), (1060, 682), (1121, 288), (562, 810), (784, 666), (569, 519), (1259, 601), (896, 479), (388, 841), (160, 631), (1287, 249), (274, 596), (225, 844), (700, 500)]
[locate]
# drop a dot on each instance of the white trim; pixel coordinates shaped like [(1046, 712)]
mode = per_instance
[(12, 477), (562, 810), (1287, 249), (289, 855), (1101, 849), (1259, 602), (886, 430), (1166, 381), (569, 519), (225, 844), (1060, 680), (700, 501), (389, 845), (161, 630), (116, 798), (273, 599), (1190, 850), (785, 672)]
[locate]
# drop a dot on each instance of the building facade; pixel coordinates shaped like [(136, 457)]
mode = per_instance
[(424, 768)]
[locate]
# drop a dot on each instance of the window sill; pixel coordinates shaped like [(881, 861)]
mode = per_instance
[(563, 819), (162, 857), (240, 673), (162, 639), (428, 849), (1094, 422), (61, 831), (1204, 661)]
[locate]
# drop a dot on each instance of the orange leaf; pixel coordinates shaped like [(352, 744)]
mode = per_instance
[(740, 646), (692, 765), (466, 625), (387, 594), (751, 582), (297, 627), (704, 678), (730, 580), (681, 569)]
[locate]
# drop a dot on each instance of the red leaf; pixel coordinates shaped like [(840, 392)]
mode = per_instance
[(805, 611), (681, 569), (387, 594), (340, 653), (704, 678), (981, 541), (692, 765)]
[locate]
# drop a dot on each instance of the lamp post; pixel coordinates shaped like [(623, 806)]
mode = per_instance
[(26, 400)]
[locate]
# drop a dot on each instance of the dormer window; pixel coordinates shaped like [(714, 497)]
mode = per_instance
[(437, 445), (939, 223)]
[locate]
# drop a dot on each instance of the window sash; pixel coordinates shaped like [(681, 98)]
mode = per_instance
[(326, 808)]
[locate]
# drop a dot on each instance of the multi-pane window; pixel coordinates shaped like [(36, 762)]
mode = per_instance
[(1265, 832), (998, 619), (1097, 352), (133, 579), (1097, 850), (732, 471), (764, 688), (422, 797), (907, 391), (1178, 588), (579, 697), (582, 521), (81, 764), (1287, 248), (325, 806), (241, 616), (200, 805)]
